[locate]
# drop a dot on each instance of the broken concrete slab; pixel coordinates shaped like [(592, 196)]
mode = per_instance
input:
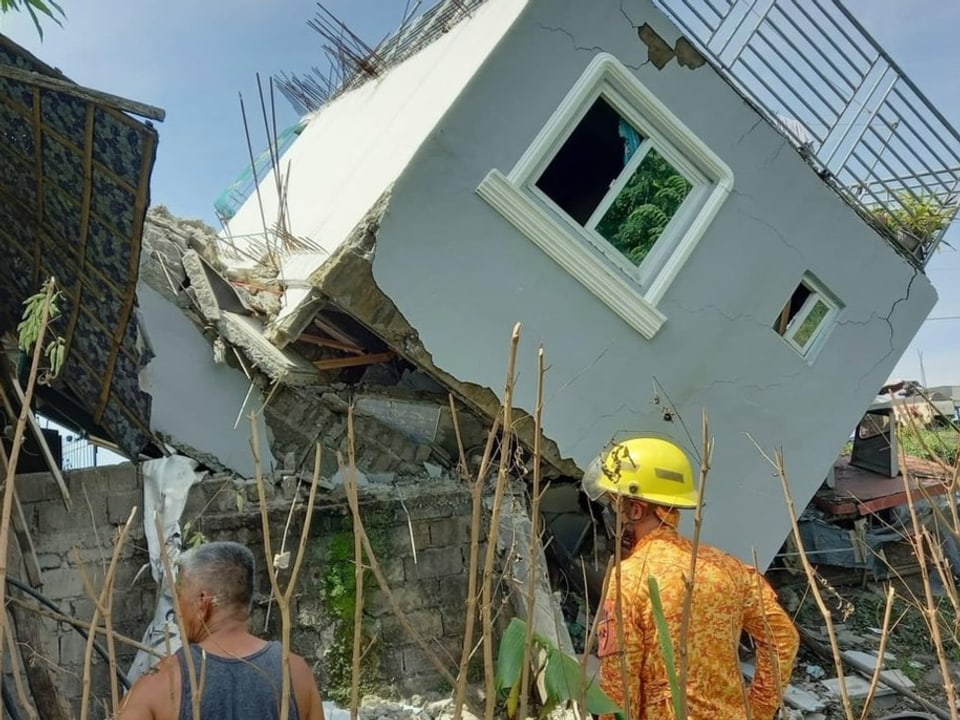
[(281, 366), (417, 420), (346, 281), (868, 659), (858, 687), (513, 542)]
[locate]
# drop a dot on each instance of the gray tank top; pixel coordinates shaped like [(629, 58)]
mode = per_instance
[(236, 688)]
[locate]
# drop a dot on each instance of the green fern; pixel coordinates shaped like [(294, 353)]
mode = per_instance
[(642, 210)]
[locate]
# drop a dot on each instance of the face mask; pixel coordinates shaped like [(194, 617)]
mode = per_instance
[(609, 521)]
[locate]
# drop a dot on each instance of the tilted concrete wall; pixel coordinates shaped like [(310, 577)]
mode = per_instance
[(462, 275), (430, 589)]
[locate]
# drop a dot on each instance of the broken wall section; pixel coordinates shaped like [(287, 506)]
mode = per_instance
[(420, 531)]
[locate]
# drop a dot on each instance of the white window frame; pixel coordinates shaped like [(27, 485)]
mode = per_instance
[(633, 292), (818, 293)]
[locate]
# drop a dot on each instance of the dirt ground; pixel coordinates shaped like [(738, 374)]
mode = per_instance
[(858, 614)]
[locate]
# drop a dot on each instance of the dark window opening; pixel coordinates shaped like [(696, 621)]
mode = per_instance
[(790, 310), (589, 162)]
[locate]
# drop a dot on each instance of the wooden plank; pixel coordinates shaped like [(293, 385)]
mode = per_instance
[(333, 331), (90, 95), (41, 441), (334, 363), (331, 343)]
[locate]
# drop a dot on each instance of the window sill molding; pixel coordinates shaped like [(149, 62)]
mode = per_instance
[(572, 250), (573, 253)]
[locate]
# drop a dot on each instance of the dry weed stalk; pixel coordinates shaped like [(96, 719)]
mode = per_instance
[(476, 519), (534, 539), (486, 600), (103, 605), (284, 597), (705, 457), (778, 464), (77, 623), (350, 478), (196, 685), (354, 501), (22, 693), (929, 609), (594, 626), (18, 433), (618, 612), (875, 680)]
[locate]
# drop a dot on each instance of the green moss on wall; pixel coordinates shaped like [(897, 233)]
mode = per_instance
[(339, 594)]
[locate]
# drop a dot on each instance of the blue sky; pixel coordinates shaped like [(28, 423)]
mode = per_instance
[(194, 58)]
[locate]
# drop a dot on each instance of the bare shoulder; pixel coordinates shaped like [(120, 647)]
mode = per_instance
[(305, 689), (300, 671), (156, 695)]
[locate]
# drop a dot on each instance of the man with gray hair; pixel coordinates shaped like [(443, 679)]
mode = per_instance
[(239, 675)]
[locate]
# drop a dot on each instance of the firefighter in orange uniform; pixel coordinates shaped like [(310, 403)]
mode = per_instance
[(646, 481)]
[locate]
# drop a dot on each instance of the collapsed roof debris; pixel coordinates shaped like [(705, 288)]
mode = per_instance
[(74, 185), (402, 414)]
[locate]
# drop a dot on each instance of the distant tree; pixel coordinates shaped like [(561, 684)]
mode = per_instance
[(36, 8), (642, 210)]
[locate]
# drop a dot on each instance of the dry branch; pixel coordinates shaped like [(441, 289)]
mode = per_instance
[(350, 478), (875, 680), (195, 693), (486, 591), (687, 611), (534, 539), (103, 605), (22, 694), (778, 465), (476, 518), (929, 609), (283, 598), (354, 502), (11, 474)]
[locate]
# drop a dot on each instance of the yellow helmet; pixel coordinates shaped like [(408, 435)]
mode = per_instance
[(651, 469)]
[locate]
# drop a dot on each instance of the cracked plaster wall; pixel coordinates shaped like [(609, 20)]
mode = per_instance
[(462, 276)]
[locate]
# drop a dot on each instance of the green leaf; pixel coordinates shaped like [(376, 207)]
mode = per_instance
[(666, 645), (561, 684), (510, 654), (241, 501), (599, 703)]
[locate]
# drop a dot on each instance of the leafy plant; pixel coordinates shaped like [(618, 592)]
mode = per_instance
[(920, 217), (46, 301), (192, 538), (49, 8), (640, 214), (561, 675)]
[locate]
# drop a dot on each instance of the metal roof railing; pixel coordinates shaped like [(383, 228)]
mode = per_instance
[(817, 74)]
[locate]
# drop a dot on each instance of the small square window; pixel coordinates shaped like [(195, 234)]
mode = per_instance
[(807, 316), (609, 178)]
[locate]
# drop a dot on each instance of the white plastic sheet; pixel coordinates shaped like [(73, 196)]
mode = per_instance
[(166, 485)]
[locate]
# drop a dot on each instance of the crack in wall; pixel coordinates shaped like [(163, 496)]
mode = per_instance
[(583, 48), (753, 127), (659, 50), (890, 329), (780, 236)]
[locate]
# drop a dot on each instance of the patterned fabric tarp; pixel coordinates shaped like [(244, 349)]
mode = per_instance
[(74, 188)]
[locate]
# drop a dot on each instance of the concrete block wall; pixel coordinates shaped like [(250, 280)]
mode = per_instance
[(426, 572)]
